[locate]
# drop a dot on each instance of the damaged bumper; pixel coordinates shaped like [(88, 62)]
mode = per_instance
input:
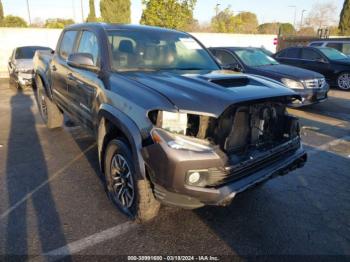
[(219, 182)]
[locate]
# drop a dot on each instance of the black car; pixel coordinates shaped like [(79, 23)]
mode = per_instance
[(20, 64), (331, 63), (170, 125), (311, 86)]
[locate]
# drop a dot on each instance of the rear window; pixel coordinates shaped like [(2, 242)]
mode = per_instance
[(67, 43), (28, 52), (316, 44)]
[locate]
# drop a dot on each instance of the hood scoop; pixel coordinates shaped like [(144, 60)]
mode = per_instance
[(232, 82)]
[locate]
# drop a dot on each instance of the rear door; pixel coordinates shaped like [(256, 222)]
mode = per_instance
[(60, 69), (82, 83)]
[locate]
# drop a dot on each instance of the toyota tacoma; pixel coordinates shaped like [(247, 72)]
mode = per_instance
[(171, 126)]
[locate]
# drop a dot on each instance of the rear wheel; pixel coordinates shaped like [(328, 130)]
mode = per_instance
[(128, 192), (343, 81), (49, 112)]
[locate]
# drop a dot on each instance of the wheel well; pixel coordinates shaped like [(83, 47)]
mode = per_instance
[(111, 132)]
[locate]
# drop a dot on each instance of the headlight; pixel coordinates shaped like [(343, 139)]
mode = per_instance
[(171, 130), (292, 83)]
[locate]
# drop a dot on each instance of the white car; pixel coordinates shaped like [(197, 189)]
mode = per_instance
[(341, 45)]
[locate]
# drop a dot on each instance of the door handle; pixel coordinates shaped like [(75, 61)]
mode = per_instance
[(53, 68)]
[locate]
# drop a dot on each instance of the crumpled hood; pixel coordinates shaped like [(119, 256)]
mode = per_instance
[(289, 71), (202, 93), (24, 63)]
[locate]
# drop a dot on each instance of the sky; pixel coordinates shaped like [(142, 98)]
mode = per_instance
[(266, 10)]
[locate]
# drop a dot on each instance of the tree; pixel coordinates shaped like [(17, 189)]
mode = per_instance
[(344, 23), (333, 30), (248, 22), (92, 14), (224, 22), (307, 31), (1, 11), (269, 28), (322, 15), (287, 29), (175, 14), (13, 21), (58, 23), (115, 11)]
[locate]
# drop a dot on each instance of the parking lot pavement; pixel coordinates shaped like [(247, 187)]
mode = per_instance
[(52, 200)]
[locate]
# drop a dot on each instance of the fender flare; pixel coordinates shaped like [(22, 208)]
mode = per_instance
[(46, 84), (128, 128)]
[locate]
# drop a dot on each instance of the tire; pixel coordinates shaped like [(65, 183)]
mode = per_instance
[(131, 194), (343, 81), (50, 113)]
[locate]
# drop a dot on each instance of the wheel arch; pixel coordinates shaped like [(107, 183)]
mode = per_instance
[(113, 123), (45, 82)]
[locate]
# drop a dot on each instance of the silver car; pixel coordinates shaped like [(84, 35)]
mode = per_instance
[(20, 65)]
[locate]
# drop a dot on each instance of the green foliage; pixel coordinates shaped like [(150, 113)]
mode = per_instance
[(226, 22), (333, 30), (58, 23), (92, 14), (1, 11), (175, 14), (287, 29), (268, 28), (307, 31), (115, 11), (344, 23), (13, 21)]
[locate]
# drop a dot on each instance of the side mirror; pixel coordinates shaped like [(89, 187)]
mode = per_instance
[(82, 61), (234, 67), (322, 60)]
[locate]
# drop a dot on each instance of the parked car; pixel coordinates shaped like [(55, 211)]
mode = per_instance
[(20, 64), (341, 45), (170, 125), (331, 63), (311, 86)]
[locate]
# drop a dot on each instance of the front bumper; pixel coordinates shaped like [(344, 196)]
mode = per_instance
[(168, 169), (24, 79), (311, 96)]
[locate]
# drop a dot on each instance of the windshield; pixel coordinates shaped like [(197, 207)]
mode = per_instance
[(28, 52), (253, 57), (150, 50), (333, 54)]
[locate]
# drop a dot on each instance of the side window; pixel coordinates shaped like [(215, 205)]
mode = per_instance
[(346, 48), (281, 54), (224, 57), (309, 54), (67, 44), (337, 46), (89, 44), (293, 53)]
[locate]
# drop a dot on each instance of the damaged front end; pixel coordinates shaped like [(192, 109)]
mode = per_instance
[(200, 159)]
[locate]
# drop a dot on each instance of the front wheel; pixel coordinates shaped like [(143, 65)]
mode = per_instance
[(129, 193), (343, 81)]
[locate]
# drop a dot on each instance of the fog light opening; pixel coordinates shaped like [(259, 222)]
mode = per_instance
[(194, 177)]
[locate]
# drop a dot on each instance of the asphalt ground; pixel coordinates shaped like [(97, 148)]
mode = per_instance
[(53, 205)]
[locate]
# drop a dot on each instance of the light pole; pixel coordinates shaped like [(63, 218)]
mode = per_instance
[(30, 20), (302, 16), (82, 10), (295, 13), (217, 9)]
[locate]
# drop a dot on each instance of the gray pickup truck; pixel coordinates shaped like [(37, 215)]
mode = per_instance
[(171, 126)]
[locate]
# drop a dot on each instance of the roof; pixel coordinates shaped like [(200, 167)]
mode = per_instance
[(106, 26)]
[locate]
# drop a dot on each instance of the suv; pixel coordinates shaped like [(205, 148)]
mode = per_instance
[(170, 125), (334, 65), (340, 45)]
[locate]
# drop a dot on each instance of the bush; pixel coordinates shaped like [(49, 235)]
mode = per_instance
[(13, 21)]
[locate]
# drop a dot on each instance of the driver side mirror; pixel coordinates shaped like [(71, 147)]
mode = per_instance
[(234, 67), (321, 60), (82, 61)]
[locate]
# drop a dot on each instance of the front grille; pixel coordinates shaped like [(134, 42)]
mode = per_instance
[(314, 83)]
